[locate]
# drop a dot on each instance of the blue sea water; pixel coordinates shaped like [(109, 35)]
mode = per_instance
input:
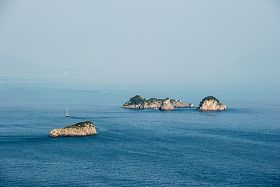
[(239, 147)]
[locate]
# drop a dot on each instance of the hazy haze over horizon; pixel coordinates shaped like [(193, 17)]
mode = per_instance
[(141, 42)]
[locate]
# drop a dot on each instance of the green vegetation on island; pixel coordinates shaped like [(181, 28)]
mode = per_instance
[(139, 102)]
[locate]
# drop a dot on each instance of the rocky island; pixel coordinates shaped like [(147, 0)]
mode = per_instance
[(211, 103), (139, 102), (86, 128)]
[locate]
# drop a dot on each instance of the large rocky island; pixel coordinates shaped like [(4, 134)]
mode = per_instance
[(139, 102), (211, 103), (86, 128)]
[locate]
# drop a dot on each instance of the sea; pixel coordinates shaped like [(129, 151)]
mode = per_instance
[(184, 147)]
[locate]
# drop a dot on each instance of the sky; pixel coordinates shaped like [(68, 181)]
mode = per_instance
[(124, 42)]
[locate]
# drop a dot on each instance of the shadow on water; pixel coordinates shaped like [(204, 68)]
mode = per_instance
[(76, 117), (91, 117)]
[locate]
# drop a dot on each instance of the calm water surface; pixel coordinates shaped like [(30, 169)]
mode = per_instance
[(239, 147)]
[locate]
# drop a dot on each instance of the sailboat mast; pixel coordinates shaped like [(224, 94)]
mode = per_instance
[(66, 113)]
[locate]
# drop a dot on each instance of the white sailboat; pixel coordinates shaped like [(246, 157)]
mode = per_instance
[(67, 113)]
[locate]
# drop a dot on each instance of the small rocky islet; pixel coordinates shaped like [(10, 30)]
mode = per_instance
[(139, 102), (86, 128), (209, 103)]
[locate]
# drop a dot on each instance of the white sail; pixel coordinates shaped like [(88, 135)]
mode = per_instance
[(66, 113)]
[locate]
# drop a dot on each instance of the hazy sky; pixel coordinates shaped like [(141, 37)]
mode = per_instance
[(126, 40)]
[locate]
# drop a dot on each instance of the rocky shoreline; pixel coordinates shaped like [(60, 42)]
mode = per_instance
[(209, 103), (139, 102), (86, 128)]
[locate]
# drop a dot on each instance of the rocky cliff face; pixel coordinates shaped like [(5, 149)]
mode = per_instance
[(211, 103), (167, 105), (139, 102), (86, 128)]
